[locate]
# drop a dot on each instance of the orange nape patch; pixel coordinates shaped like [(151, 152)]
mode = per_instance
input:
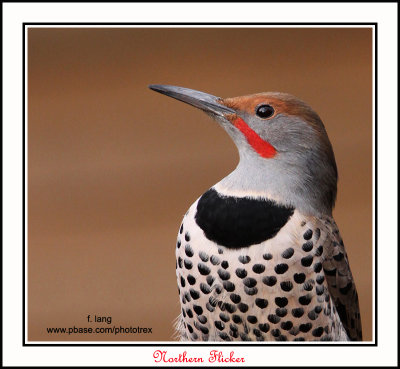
[(262, 147)]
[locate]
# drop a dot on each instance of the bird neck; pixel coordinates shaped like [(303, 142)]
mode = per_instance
[(247, 181), (269, 181)]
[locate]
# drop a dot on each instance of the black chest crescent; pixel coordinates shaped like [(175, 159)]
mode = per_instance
[(236, 222)]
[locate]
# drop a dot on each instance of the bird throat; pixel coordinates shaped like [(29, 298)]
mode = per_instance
[(236, 222), (262, 147)]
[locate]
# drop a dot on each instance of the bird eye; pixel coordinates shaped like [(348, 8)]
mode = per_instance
[(265, 111)]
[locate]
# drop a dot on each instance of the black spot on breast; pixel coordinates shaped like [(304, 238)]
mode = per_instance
[(305, 327), (223, 274), (252, 319), (230, 308), (308, 286), (236, 222), (225, 264), (308, 246), (258, 268), (320, 279), (244, 337), (319, 250), (274, 318), (202, 319), (229, 286), (244, 259), (317, 267), (212, 302), (276, 332), (298, 312), (317, 332), (187, 236), (249, 282), (288, 253), (307, 260), (198, 309), (187, 297), (195, 295), (203, 269), (219, 325), (308, 234), (243, 307), (224, 317), (250, 291), (224, 336), (236, 319), (281, 312), (264, 327), (286, 286), (241, 273), (312, 315), (210, 280), (191, 279), (209, 307), (299, 278), (218, 288), (261, 303), (188, 250), (287, 325), (235, 298), (204, 288), (269, 281), (281, 268), (267, 256), (214, 260), (281, 301), (305, 300), (188, 264), (203, 256), (234, 334)]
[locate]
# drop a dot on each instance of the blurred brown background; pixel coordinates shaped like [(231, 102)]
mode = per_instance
[(113, 166)]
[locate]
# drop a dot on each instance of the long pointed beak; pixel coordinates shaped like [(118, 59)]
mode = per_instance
[(201, 100)]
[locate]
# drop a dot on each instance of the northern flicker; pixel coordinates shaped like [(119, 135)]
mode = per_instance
[(259, 256)]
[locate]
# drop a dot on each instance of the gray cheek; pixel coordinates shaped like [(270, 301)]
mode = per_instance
[(288, 134)]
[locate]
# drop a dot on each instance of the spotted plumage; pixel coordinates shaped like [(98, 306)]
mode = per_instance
[(259, 256), (285, 292)]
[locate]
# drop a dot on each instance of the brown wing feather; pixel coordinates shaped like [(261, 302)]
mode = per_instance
[(340, 281)]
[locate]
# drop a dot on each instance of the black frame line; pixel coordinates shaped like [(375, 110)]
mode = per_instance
[(374, 26)]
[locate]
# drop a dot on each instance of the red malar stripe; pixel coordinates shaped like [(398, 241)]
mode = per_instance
[(263, 148)]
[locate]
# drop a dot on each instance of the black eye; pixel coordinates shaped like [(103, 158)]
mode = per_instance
[(265, 111)]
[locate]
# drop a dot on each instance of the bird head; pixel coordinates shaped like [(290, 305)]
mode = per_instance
[(285, 153)]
